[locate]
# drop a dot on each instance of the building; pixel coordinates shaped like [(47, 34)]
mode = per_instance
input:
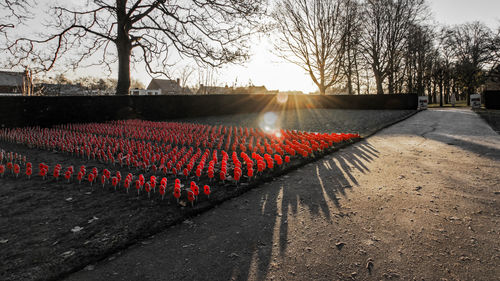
[(214, 90), (16, 83), (493, 80), (144, 92), (165, 87), (47, 89), (253, 90)]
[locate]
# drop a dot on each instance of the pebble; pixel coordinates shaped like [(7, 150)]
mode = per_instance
[(340, 245)]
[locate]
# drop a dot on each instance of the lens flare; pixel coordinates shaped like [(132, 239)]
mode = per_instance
[(270, 118), (269, 122)]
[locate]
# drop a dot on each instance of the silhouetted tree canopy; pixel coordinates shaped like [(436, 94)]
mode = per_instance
[(150, 31)]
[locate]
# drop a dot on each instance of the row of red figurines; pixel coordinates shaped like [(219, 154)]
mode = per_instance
[(151, 160), (140, 184), (308, 141), (12, 162), (261, 165)]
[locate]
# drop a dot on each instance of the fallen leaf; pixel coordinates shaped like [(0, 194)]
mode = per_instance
[(93, 219), (76, 229), (67, 254)]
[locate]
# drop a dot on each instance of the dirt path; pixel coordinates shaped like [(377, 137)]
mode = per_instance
[(417, 201)]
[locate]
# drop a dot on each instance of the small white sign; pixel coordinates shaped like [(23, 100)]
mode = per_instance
[(475, 101), (422, 102)]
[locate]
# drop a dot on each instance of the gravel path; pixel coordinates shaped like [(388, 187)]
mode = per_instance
[(417, 201)]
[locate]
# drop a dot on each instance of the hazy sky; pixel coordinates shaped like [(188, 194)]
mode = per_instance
[(264, 68)]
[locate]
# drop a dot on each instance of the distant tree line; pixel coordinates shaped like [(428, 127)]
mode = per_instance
[(87, 84), (384, 46)]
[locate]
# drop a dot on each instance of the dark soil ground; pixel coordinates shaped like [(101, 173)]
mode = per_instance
[(49, 229)]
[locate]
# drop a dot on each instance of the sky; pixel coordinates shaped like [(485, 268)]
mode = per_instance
[(265, 68)]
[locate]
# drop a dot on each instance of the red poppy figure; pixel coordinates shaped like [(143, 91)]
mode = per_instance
[(206, 190), (67, 175), (162, 191), (43, 173), (191, 197), (152, 182), (79, 177), (56, 174), (91, 178), (103, 180), (177, 194), (147, 187), (126, 184), (138, 186), (114, 182), (2, 170), (196, 190), (17, 170), (28, 172)]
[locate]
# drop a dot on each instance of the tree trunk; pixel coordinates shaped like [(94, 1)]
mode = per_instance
[(349, 85), (124, 52), (378, 81), (441, 94), (390, 87), (124, 48), (349, 72), (322, 90), (358, 83)]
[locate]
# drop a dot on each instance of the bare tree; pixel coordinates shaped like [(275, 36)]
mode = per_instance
[(210, 32), (207, 78), (474, 50), (184, 75), (419, 49), (312, 36), (385, 27), (352, 25)]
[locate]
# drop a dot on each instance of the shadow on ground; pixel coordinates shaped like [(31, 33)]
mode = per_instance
[(442, 128)]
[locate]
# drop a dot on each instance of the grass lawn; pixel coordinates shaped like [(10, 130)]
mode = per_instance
[(461, 103)]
